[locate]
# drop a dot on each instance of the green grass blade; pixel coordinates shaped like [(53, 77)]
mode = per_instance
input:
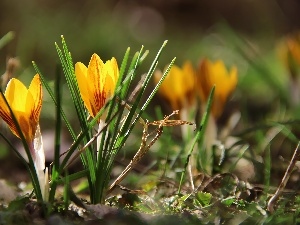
[(81, 137), (66, 195), (124, 87), (57, 141), (88, 156), (127, 126), (68, 68), (246, 50), (58, 92), (123, 67), (6, 38), (50, 92), (72, 84), (286, 131), (12, 147), (267, 169), (199, 135), (157, 85), (74, 176)]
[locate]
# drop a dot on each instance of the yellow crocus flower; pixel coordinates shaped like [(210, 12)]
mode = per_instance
[(97, 82), (26, 105), (178, 86), (215, 73)]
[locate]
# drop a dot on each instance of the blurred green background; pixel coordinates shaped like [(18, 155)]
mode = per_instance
[(192, 27), (226, 30)]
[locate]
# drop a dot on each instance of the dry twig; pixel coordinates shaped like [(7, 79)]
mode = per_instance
[(144, 147), (284, 180)]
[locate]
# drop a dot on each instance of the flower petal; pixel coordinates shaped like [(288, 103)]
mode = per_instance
[(25, 104), (112, 73), (178, 86), (81, 76), (211, 74), (35, 90), (96, 77), (203, 80), (39, 159), (6, 116), (16, 94), (189, 81)]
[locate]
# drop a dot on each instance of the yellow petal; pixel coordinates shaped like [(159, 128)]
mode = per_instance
[(25, 104), (189, 75), (6, 116), (27, 126), (16, 94), (178, 86), (189, 81), (35, 89), (203, 81), (293, 45), (170, 87), (96, 78), (115, 67), (81, 76), (111, 78), (211, 74)]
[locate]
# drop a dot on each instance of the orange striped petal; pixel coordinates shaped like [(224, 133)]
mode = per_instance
[(6, 116), (96, 83), (25, 104), (35, 89)]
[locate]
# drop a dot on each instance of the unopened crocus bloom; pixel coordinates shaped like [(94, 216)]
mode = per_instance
[(97, 82), (289, 52), (215, 73), (178, 86), (26, 106)]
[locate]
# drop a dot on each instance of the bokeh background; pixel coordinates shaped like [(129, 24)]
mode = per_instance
[(194, 28), (242, 33)]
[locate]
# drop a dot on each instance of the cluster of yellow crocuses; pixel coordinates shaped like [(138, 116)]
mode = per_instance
[(182, 85), (96, 84)]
